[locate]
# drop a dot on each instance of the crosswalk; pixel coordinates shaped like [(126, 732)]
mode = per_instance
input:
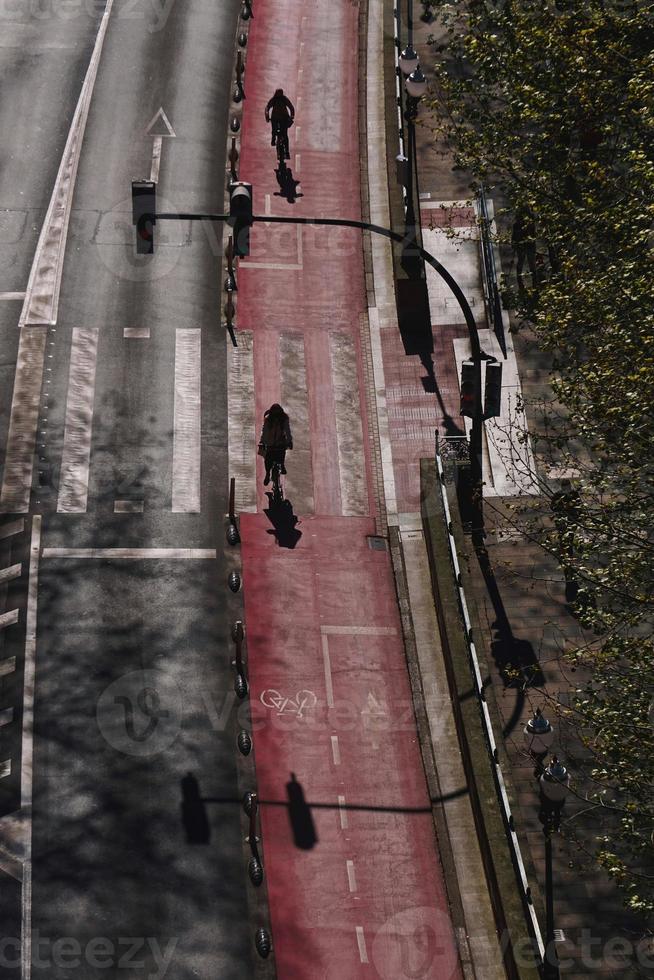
[(314, 375)]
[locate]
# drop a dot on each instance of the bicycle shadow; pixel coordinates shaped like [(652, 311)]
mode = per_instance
[(287, 184), (283, 520)]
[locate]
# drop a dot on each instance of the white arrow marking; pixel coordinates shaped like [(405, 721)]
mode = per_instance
[(161, 123)]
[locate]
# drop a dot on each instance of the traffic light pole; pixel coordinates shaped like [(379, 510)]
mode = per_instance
[(476, 476)]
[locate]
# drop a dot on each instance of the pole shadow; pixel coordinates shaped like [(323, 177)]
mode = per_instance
[(194, 813), (284, 521), (299, 814), (288, 186)]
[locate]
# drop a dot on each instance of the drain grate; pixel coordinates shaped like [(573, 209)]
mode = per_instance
[(377, 543)]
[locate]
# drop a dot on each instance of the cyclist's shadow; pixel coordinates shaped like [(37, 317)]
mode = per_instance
[(283, 520), (287, 184)]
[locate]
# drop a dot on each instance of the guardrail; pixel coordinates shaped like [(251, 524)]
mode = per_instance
[(500, 785)]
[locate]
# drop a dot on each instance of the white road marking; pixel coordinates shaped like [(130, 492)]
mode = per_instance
[(336, 752), (8, 618), (12, 296), (349, 431), (133, 553), (186, 425), (23, 421), (266, 208), (7, 666), (165, 121), (328, 672), (295, 397), (361, 942), (141, 333), (342, 812), (297, 162), (28, 746), (241, 424), (5, 768), (76, 456), (156, 158), (42, 298), (14, 527), (128, 506), (279, 265), (359, 630), (351, 876), (11, 572)]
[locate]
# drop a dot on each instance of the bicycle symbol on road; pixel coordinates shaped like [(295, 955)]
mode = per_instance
[(274, 700)]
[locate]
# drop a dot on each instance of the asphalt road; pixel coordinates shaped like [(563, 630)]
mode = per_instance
[(132, 661)]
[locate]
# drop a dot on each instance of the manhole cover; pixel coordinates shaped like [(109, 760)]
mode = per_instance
[(377, 543)]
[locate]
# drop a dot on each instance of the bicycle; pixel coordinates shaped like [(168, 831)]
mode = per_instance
[(303, 700), (281, 142), (276, 477)]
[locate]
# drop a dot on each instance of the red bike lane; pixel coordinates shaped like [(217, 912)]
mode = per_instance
[(355, 883)]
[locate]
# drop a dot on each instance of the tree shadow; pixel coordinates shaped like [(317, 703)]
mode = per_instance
[(299, 814), (194, 814), (288, 186), (284, 521)]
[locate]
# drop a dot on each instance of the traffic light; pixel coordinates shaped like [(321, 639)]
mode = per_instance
[(240, 215), (144, 209), (468, 389), (493, 389)]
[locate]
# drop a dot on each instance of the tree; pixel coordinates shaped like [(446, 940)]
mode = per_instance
[(553, 104)]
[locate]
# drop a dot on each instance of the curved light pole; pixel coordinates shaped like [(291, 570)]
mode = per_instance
[(554, 787)]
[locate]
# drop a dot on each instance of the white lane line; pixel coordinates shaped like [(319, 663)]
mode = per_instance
[(28, 746), (266, 209), (76, 456), (23, 421), (297, 163), (361, 942), (11, 572), (12, 296), (156, 158), (351, 876), (142, 333), (186, 425), (328, 672), (359, 630), (129, 553), (349, 431), (128, 506), (8, 618), (5, 768), (342, 812), (14, 527), (336, 751), (279, 265), (42, 295)]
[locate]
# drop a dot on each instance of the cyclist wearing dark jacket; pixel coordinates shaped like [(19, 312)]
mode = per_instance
[(280, 111), (275, 438)]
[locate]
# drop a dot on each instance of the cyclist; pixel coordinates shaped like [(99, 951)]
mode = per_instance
[(280, 111), (275, 439)]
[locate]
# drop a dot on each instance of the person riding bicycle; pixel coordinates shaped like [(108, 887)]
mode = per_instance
[(275, 438), (280, 112)]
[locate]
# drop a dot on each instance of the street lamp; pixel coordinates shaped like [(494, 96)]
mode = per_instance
[(554, 786), (415, 86), (539, 735), (408, 60)]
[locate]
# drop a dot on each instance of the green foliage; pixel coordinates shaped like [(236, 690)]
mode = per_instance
[(553, 104)]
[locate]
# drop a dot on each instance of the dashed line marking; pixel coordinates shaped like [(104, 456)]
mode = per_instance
[(8, 618), (11, 572), (128, 506), (187, 422), (141, 333), (361, 942), (14, 527), (342, 812), (351, 876), (12, 296), (336, 752), (328, 672), (359, 630)]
